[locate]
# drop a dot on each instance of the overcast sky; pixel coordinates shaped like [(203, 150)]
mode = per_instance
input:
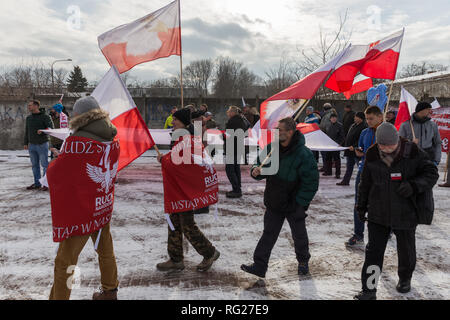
[(256, 32)]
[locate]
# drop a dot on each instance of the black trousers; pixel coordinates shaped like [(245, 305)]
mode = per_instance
[(273, 222), (234, 176), (406, 252)]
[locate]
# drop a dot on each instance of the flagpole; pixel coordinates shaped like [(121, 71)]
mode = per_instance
[(295, 119), (389, 99), (446, 168), (181, 55)]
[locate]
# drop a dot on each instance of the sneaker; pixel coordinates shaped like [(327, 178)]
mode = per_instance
[(233, 194), (355, 241), (303, 268), (366, 295), (445, 185), (33, 187), (170, 265), (404, 286), (252, 269), (105, 295), (43, 188), (207, 263)]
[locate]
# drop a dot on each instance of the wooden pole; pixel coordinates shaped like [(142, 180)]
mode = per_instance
[(389, 99), (181, 56), (295, 119), (412, 129)]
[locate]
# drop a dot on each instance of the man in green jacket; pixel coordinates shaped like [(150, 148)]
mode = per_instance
[(36, 142), (287, 195)]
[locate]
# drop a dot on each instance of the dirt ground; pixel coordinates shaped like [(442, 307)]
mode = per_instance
[(139, 231)]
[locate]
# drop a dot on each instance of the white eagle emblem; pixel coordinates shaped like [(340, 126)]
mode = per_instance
[(105, 179)]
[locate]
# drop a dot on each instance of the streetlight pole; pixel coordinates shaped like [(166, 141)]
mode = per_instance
[(53, 82)]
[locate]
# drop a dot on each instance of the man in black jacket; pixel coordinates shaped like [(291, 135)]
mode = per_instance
[(36, 142), (336, 132), (347, 120), (351, 141), (395, 172), (234, 156)]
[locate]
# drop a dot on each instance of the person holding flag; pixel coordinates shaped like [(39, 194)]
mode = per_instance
[(195, 190), (80, 209), (426, 132), (60, 120)]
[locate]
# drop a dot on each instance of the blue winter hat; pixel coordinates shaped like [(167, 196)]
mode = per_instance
[(58, 107)]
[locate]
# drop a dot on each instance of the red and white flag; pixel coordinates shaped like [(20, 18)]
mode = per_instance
[(361, 83), (63, 120), (442, 118), (377, 60), (406, 108), (132, 132), (157, 35), (316, 139), (285, 103)]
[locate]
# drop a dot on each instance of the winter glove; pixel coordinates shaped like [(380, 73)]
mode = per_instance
[(405, 190)]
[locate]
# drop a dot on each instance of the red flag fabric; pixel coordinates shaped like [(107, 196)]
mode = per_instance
[(63, 120), (442, 118), (377, 60), (157, 35), (406, 108), (360, 84), (81, 183), (132, 132), (190, 180)]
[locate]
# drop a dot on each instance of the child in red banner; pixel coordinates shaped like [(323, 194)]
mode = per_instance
[(90, 125), (183, 222)]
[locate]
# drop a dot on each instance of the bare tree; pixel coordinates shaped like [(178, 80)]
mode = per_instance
[(198, 75), (226, 76), (420, 68), (280, 77)]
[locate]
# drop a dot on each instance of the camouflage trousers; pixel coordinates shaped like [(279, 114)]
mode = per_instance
[(184, 224)]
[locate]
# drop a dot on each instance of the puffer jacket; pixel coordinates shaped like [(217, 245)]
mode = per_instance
[(427, 132), (94, 125), (297, 179), (33, 123), (377, 192)]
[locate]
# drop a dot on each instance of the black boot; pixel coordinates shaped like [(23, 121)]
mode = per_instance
[(404, 286), (328, 167), (252, 269), (366, 295)]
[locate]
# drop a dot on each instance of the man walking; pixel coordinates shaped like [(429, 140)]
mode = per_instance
[(426, 132), (374, 118), (287, 196), (395, 172), (36, 142), (336, 132)]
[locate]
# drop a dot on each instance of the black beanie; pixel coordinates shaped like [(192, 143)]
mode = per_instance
[(422, 106), (360, 115), (184, 115)]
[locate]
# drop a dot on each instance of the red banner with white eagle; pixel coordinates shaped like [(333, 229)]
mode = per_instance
[(81, 183), (442, 118), (190, 180)]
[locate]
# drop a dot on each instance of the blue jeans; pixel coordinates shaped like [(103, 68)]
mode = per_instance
[(39, 157), (359, 225)]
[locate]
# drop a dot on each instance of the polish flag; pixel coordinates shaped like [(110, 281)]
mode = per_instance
[(377, 60), (360, 84), (133, 134), (157, 35), (316, 139), (63, 120), (287, 102), (406, 108)]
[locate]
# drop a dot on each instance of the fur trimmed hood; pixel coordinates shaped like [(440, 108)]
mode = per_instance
[(94, 124)]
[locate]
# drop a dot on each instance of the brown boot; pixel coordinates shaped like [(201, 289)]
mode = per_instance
[(207, 263), (105, 295), (445, 185), (170, 265)]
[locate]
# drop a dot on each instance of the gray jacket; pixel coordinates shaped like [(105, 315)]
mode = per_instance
[(428, 134), (325, 123)]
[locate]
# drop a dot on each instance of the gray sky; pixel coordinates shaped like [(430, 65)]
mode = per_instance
[(258, 33)]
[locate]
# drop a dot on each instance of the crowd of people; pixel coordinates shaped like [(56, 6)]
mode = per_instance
[(396, 172)]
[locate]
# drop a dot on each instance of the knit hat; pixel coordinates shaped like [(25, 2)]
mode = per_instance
[(327, 106), (196, 114), (58, 107), (184, 115), (360, 115), (310, 109), (422, 106), (387, 134), (85, 104)]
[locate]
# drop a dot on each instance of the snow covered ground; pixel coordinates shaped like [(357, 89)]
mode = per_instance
[(140, 237)]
